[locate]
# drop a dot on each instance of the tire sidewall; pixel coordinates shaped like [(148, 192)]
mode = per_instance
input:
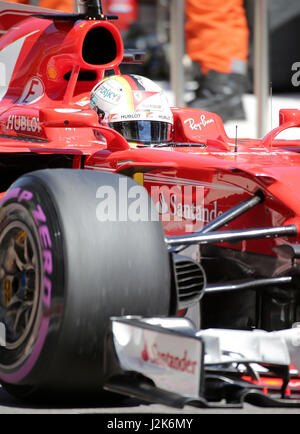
[(28, 203)]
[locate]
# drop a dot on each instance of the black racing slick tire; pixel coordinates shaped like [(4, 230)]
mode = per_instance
[(65, 270)]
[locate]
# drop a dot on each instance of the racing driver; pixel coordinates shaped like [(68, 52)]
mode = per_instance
[(134, 106)]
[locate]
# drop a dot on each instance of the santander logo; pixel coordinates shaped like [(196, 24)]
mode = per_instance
[(183, 364)]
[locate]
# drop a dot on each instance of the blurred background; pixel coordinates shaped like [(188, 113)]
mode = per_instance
[(270, 76)]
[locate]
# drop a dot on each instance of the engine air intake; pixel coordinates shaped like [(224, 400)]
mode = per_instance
[(99, 47)]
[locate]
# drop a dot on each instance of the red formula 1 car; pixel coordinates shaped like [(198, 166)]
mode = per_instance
[(110, 243)]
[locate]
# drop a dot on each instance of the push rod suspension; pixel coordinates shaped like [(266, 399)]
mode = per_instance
[(228, 216), (232, 213)]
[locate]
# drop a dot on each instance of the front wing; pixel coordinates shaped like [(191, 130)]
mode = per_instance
[(167, 361)]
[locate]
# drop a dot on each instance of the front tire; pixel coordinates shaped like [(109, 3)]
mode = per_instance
[(64, 274)]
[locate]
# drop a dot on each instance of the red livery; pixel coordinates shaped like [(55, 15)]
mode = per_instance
[(93, 226)]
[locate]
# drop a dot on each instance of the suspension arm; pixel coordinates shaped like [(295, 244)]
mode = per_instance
[(234, 236)]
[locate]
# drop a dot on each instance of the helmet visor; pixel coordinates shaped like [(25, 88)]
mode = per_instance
[(144, 131)]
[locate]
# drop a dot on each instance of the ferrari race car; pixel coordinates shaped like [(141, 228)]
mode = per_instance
[(165, 268)]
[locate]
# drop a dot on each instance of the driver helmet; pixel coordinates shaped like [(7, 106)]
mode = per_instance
[(134, 106)]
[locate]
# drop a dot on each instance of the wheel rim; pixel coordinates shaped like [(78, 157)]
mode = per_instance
[(19, 274)]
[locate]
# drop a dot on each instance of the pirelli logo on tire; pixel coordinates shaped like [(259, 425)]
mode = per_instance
[(2, 335)]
